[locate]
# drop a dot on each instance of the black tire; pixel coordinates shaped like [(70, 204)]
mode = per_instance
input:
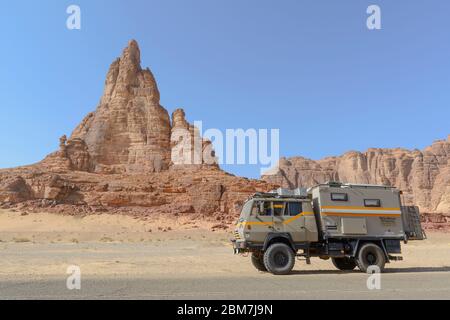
[(258, 261), (279, 259), (370, 254), (345, 264)]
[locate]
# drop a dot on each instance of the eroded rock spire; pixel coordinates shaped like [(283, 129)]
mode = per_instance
[(130, 130)]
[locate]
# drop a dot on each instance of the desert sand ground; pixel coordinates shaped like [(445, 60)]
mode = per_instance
[(159, 246), (179, 258)]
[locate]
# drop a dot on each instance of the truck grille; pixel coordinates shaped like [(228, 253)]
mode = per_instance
[(237, 236)]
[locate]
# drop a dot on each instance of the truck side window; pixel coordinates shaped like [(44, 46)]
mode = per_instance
[(339, 197), (294, 208), (267, 211), (255, 208), (372, 202), (262, 208), (278, 208)]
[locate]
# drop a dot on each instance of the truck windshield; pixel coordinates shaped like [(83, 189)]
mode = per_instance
[(246, 209)]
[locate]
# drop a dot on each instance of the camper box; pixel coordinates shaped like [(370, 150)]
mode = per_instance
[(348, 210)]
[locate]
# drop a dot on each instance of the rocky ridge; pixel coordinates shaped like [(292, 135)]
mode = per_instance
[(422, 175)]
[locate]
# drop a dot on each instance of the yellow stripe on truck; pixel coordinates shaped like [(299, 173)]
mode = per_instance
[(348, 214), (297, 217), (359, 208), (360, 211), (332, 214), (269, 223)]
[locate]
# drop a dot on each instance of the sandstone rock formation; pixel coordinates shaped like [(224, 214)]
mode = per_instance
[(187, 146), (423, 176), (130, 132), (128, 156)]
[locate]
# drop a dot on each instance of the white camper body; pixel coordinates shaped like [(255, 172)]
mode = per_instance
[(344, 210)]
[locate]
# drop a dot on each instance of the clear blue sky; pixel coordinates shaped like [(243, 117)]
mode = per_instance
[(310, 68)]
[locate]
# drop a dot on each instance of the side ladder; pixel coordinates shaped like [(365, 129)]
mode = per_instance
[(412, 224)]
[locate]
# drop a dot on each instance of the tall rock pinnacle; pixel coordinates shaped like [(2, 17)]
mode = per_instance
[(130, 130)]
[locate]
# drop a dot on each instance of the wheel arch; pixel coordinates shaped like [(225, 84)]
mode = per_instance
[(279, 238), (357, 244)]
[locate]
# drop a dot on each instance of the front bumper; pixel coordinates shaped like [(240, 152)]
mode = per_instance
[(239, 246)]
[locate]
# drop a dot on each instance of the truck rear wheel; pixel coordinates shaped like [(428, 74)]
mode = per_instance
[(345, 264), (369, 255), (279, 259), (258, 261)]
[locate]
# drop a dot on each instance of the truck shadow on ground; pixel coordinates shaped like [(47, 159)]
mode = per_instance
[(387, 270), (417, 269)]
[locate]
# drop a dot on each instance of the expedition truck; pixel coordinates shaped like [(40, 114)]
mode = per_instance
[(353, 225)]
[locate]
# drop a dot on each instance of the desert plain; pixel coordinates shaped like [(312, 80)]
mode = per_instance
[(124, 257)]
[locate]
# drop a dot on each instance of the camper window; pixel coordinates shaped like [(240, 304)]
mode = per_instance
[(339, 197), (372, 202)]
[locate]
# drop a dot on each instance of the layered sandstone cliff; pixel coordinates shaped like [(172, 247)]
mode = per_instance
[(423, 176)]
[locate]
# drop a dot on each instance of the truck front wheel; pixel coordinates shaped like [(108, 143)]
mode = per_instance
[(345, 264), (279, 259), (258, 261), (371, 255)]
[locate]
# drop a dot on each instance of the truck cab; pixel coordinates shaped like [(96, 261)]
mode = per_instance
[(263, 215), (353, 225)]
